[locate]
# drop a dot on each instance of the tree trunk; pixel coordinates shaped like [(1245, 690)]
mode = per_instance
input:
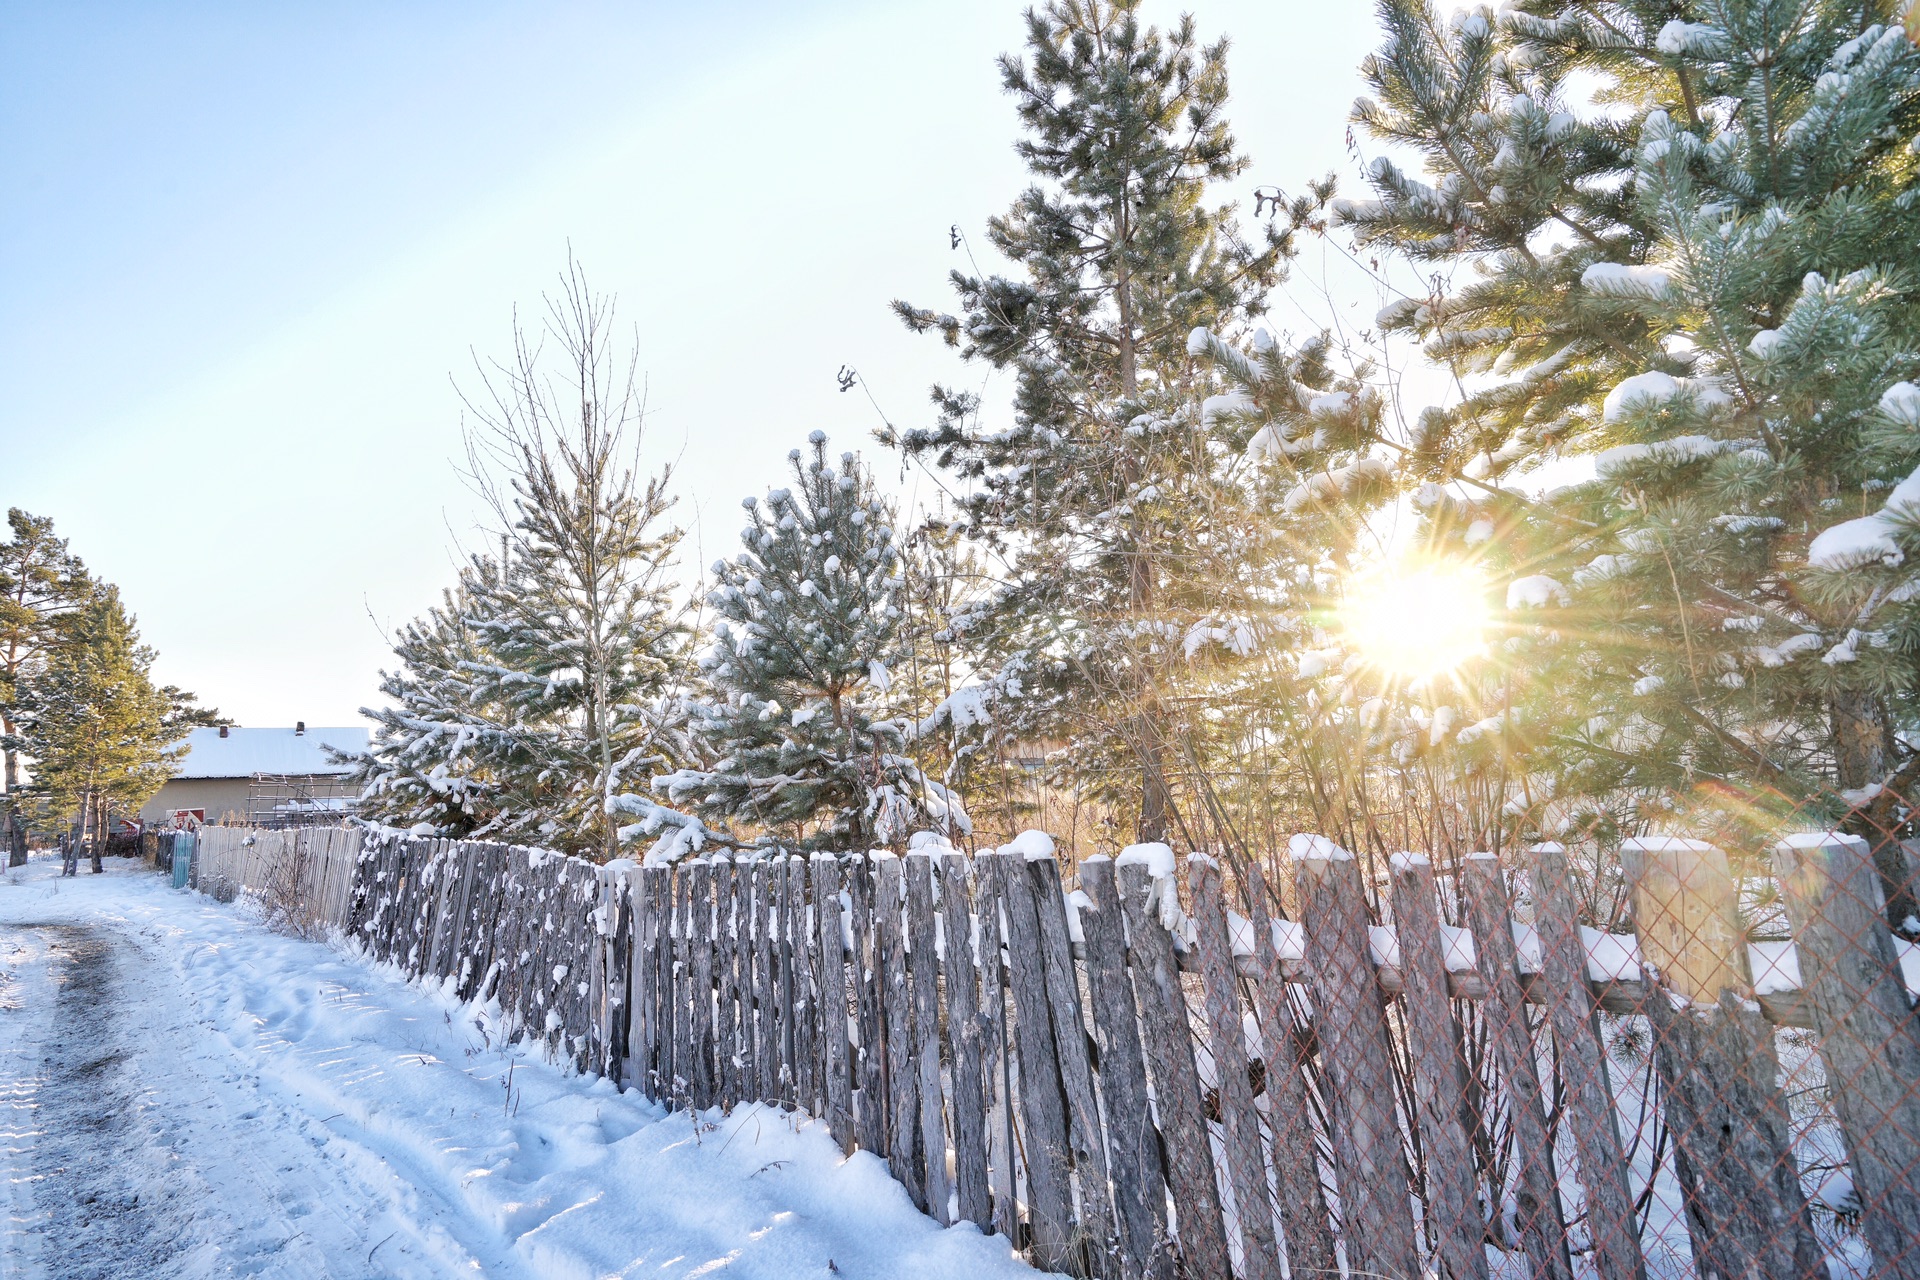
[(1860, 761), (1155, 800), (99, 834), (13, 758)]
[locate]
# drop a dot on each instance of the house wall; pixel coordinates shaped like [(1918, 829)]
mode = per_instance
[(220, 797)]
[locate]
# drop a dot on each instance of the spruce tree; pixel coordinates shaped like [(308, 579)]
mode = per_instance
[(97, 730), (1101, 484), (1705, 281), (808, 738)]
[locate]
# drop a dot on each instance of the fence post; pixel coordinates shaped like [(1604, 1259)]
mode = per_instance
[(1376, 1215), (1439, 1084), (1715, 1056), (1868, 1033), (1169, 1052)]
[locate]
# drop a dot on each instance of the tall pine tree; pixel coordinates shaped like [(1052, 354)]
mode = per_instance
[(98, 732), (40, 582), (1100, 484)]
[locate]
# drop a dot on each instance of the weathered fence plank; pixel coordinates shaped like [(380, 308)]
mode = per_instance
[(1868, 1033), (785, 992), (1176, 1080), (806, 968), (1003, 1153), (922, 955), (903, 1092), (1306, 1230), (1376, 1218), (1043, 1108), (700, 979), (1542, 1226), (1246, 1158), (767, 1073), (836, 1049), (680, 997), (870, 1103), (657, 947), (1084, 1133), (963, 1044), (1717, 1065), (726, 1029), (1139, 1192), (1439, 1085), (1583, 1070)]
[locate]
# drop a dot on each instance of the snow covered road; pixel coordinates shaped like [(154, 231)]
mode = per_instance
[(184, 1093)]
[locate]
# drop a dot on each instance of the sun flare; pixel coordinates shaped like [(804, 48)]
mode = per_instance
[(1416, 620)]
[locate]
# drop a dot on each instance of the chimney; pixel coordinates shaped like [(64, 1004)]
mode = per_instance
[(223, 731), (299, 728)]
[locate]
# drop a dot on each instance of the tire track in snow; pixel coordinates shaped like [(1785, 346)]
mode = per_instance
[(132, 1154)]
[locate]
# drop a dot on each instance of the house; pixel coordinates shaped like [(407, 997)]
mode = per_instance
[(265, 777)]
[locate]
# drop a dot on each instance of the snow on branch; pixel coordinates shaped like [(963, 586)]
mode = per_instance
[(680, 834)]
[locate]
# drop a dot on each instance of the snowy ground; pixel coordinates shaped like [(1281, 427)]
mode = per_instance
[(184, 1093)]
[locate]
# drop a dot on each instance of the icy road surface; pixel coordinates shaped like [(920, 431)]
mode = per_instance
[(185, 1093)]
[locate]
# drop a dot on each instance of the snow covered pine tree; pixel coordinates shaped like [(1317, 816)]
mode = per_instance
[(1099, 490), (431, 762), (1705, 278), (559, 677), (810, 746), (98, 732)]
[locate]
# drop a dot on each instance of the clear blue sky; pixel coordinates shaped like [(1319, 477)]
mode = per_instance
[(244, 248)]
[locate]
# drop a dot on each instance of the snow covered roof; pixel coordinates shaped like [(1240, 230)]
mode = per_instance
[(245, 752)]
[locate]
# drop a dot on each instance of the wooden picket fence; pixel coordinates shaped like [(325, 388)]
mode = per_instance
[(1140, 1079), (304, 876)]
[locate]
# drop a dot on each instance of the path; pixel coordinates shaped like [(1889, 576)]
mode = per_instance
[(184, 1093)]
